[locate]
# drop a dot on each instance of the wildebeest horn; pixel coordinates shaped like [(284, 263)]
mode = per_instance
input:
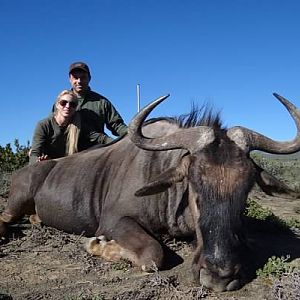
[(191, 139), (250, 140)]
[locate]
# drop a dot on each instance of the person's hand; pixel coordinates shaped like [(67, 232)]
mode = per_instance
[(43, 157)]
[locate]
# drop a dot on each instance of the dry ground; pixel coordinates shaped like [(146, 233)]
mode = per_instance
[(38, 262)]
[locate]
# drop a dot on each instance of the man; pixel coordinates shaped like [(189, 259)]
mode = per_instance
[(96, 110)]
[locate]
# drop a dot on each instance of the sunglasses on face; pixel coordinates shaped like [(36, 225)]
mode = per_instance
[(72, 104)]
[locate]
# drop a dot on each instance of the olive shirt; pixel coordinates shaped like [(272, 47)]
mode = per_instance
[(50, 138), (97, 112)]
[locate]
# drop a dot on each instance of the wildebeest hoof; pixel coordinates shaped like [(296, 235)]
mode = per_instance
[(6, 217), (35, 219), (149, 268), (108, 250)]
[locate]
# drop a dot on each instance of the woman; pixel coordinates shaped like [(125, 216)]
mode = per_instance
[(62, 134)]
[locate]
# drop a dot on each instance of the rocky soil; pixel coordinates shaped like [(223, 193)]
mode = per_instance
[(38, 262)]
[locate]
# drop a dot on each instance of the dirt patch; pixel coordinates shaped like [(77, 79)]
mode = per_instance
[(38, 262)]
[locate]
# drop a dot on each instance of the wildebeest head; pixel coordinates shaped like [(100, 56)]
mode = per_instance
[(220, 174)]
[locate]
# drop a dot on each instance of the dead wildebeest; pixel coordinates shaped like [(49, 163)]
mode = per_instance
[(192, 180)]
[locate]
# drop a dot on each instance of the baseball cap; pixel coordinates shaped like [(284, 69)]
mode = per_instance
[(81, 66)]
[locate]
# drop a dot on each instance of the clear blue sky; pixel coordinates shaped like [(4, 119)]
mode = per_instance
[(233, 54)]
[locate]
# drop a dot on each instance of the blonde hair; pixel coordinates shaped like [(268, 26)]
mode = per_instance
[(74, 127)]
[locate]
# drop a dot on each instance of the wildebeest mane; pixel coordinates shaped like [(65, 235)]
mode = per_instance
[(203, 116)]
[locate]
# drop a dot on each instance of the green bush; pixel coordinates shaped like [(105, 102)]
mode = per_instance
[(275, 266), (271, 221), (12, 160)]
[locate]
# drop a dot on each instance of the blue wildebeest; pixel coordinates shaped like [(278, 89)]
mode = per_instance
[(192, 180)]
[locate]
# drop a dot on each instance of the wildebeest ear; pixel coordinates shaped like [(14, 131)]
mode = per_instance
[(273, 186), (166, 179)]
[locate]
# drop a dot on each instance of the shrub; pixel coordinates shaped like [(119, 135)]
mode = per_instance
[(270, 221), (12, 160), (276, 267)]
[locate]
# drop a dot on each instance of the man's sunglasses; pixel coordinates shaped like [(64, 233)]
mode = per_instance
[(63, 103)]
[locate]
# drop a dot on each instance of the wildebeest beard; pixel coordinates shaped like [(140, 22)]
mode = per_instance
[(222, 194)]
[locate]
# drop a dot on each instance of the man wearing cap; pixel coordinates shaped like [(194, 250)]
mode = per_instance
[(96, 110)]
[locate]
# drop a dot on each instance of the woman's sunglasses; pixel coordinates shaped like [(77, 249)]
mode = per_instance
[(63, 103)]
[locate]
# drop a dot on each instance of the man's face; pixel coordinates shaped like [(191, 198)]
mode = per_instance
[(79, 81)]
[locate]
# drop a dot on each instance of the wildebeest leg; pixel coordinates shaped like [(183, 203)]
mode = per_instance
[(20, 202), (135, 244), (18, 206), (2, 228), (13, 213), (24, 186)]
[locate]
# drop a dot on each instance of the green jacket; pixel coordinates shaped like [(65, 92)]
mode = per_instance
[(50, 138), (98, 112)]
